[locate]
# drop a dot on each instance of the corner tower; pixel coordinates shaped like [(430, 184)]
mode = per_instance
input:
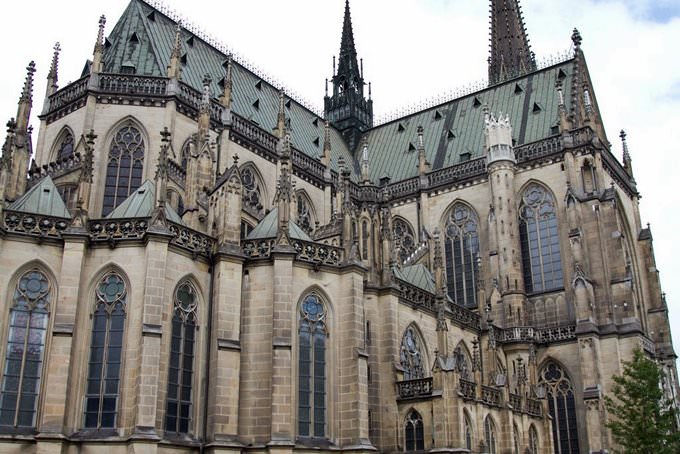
[(347, 108), (511, 54)]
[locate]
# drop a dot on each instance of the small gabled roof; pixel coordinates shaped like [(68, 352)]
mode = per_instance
[(141, 203), (416, 275), (269, 228), (43, 199)]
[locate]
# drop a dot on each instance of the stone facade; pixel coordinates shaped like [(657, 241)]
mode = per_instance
[(298, 304)]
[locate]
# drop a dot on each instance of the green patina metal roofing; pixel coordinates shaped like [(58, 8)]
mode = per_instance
[(416, 275), (149, 52), (43, 199), (269, 228), (454, 131), (141, 203)]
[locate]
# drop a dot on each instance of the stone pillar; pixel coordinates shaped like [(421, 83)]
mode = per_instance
[(156, 296), (225, 352), (58, 397)]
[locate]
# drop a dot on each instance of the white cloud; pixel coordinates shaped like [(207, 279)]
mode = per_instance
[(414, 50)]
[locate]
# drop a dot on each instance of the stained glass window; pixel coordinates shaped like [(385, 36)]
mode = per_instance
[(562, 407), (65, 149), (106, 349), (541, 259), (461, 248), (124, 168), (415, 434), (410, 357), (252, 193), (312, 368), (404, 239), (25, 350), (490, 435), (181, 368)]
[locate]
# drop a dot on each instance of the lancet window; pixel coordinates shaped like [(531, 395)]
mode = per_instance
[(181, 366), (414, 432), (66, 145), (490, 435), (410, 355), (25, 350), (124, 168), (312, 336), (462, 249), (562, 407), (106, 350), (539, 235), (533, 440)]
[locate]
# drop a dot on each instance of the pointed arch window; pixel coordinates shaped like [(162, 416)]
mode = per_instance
[(539, 237), (365, 233), (414, 432), (25, 351), (124, 168), (252, 192), (312, 336), (462, 250), (468, 433), (490, 435), (404, 238), (106, 349), (181, 366), (304, 216), (562, 407), (66, 145), (533, 440), (410, 356), (515, 439)]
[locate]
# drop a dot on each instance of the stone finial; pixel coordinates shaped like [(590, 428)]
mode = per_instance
[(175, 68), (25, 101), (627, 161), (326, 158), (365, 178), (576, 38), (423, 165), (52, 76), (87, 170), (27, 92), (99, 44), (281, 117), (205, 98), (228, 83)]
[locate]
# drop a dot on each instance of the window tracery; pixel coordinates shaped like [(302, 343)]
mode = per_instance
[(181, 366), (124, 168), (415, 434), (312, 368), (539, 236), (411, 358), (490, 435), (304, 217), (66, 146), (562, 408), (252, 192), (28, 319), (404, 238), (462, 250), (533, 440), (106, 349)]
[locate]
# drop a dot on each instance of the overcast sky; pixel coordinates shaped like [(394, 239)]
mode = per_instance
[(414, 51)]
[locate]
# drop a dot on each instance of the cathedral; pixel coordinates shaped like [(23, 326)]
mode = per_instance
[(193, 261)]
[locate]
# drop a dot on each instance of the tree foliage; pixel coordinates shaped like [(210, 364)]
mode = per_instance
[(642, 421)]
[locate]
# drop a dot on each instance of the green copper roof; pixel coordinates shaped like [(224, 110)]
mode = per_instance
[(141, 203), (43, 199), (145, 40), (454, 131), (269, 228), (416, 275)]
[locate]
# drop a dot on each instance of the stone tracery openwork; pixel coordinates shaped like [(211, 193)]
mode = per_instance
[(252, 192), (404, 238), (410, 355), (561, 404)]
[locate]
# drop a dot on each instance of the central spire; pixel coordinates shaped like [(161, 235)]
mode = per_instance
[(347, 109), (511, 54)]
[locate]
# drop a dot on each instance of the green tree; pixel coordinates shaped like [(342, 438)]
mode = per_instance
[(642, 421)]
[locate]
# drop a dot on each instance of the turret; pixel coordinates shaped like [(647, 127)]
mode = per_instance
[(347, 108), (511, 54)]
